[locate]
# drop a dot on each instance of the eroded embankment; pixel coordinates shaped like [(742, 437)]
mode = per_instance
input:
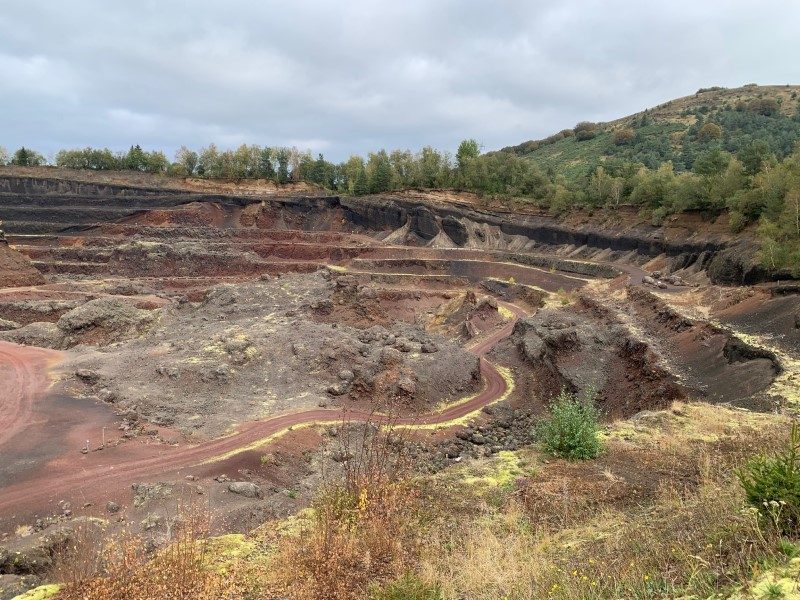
[(712, 361)]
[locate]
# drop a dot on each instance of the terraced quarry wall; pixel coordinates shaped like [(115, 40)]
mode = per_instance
[(34, 207)]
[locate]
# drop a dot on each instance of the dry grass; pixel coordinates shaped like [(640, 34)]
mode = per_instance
[(680, 546), (362, 529), (120, 569), (659, 518)]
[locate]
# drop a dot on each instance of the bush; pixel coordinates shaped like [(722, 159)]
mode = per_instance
[(122, 569), (624, 136), (764, 106), (772, 485), (585, 130), (709, 131), (409, 587), (363, 529), (571, 430)]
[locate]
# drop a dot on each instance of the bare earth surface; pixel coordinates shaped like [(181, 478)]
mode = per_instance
[(158, 336)]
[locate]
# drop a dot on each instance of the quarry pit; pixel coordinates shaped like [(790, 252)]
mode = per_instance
[(174, 339)]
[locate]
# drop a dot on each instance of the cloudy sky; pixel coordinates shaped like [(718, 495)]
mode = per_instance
[(343, 77)]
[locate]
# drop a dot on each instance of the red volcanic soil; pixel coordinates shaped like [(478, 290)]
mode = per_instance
[(23, 371), (101, 475), (15, 268)]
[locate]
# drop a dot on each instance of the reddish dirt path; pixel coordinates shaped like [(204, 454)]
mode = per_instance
[(107, 472), (23, 379)]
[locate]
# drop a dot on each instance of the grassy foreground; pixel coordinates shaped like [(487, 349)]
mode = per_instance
[(659, 513)]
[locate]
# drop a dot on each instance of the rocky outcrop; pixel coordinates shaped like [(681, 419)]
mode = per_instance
[(585, 349), (34, 554), (467, 226), (455, 230), (738, 265), (424, 223), (32, 205)]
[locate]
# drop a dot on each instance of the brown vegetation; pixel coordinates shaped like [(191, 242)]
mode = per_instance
[(121, 569), (363, 526)]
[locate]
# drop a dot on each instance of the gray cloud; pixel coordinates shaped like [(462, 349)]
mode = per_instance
[(343, 77)]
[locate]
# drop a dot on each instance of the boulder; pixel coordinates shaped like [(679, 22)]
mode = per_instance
[(647, 280), (338, 389), (429, 348), (406, 385), (248, 489), (87, 376), (33, 555), (12, 586), (346, 375), (403, 345), (144, 493), (424, 223)]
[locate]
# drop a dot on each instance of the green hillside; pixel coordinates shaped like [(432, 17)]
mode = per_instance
[(740, 121)]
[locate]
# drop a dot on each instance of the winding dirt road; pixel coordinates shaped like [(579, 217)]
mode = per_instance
[(93, 482), (23, 378)]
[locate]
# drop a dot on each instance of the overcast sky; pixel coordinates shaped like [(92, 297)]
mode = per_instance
[(346, 76)]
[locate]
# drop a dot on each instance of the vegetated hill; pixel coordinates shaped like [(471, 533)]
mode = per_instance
[(678, 131)]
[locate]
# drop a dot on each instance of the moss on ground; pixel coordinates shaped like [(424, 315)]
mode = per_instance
[(43, 592), (221, 553), (499, 471), (779, 582)]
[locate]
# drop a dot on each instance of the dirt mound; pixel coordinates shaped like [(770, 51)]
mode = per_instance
[(514, 292), (15, 268), (252, 349), (23, 310), (97, 322), (465, 316)]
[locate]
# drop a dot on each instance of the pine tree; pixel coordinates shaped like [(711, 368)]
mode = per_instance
[(136, 159), (361, 185), (380, 179), (283, 165)]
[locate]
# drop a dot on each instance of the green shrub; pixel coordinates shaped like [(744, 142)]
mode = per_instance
[(571, 430), (408, 587), (772, 485)]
